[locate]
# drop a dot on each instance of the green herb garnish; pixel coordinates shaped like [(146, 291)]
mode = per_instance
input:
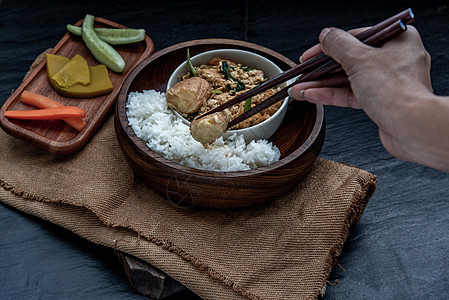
[(192, 69), (225, 70), (240, 85)]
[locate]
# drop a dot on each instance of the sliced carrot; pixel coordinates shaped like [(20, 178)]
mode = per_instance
[(41, 101), (47, 113)]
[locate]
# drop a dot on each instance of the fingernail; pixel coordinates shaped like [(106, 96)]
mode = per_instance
[(300, 59), (289, 91), (302, 94), (323, 33)]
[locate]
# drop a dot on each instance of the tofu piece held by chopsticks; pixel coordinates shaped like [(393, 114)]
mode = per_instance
[(209, 128), (189, 95)]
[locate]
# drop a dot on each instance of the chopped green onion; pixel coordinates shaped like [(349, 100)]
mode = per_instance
[(247, 105), (205, 66), (192, 69), (217, 92)]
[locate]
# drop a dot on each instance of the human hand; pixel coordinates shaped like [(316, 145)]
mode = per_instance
[(369, 73), (392, 85)]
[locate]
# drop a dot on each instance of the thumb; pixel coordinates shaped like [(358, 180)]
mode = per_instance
[(342, 46)]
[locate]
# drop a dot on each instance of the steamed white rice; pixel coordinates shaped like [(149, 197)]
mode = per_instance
[(165, 133)]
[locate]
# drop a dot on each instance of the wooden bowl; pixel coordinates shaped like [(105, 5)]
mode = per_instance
[(299, 139)]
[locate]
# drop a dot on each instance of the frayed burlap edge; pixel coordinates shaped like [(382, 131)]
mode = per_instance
[(368, 185)]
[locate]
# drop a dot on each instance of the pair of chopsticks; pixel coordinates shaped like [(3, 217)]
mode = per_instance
[(316, 67)]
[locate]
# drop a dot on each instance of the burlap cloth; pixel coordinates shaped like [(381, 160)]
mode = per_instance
[(283, 249)]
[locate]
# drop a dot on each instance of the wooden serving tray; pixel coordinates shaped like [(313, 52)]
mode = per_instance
[(55, 135)]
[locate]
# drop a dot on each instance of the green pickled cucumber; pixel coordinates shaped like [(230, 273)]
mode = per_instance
[(101, 50), (114, 36)]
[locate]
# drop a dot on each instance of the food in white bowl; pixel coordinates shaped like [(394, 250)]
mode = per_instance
[(229, 72), (160, 119)]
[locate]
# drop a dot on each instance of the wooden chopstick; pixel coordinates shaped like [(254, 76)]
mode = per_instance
[(328, 67), (312, 64)]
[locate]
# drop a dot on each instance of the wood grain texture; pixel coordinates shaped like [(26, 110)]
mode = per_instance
[(299, 139), (146, 279), (55, 135)]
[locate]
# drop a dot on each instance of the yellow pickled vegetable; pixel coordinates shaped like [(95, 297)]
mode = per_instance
[(100, 82), (73, 72)]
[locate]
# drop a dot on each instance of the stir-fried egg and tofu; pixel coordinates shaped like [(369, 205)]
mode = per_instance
[(217, 83)]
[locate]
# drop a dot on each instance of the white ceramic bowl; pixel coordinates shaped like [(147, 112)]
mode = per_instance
[(263, 130)]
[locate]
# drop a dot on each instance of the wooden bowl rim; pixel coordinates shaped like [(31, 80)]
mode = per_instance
[(124, 124)]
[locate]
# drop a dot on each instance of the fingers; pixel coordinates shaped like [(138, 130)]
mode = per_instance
[(336, 96), (311, 52), (316, 49), (342, 46), (336, 80), (334, 90)]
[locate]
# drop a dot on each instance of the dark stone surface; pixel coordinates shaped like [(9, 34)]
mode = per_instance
[(399, 250)]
